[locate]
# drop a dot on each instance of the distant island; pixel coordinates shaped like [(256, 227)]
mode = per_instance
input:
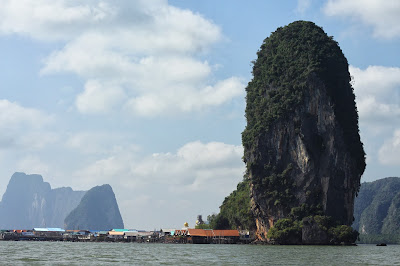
[(30, 202), (377, 211), (98, 210), (32, 211)]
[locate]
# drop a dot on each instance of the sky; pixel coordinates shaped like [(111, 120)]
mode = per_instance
[(149, 96)]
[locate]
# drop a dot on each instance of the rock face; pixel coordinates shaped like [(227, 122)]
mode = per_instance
[(29, 202), (98, 210), (377, 207), (312, 234), (301, 144)]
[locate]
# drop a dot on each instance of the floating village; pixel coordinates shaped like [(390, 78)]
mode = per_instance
[(185, 235)]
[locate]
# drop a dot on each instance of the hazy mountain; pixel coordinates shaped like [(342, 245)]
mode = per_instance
[(377, 207), (98, 210), (30, 202)]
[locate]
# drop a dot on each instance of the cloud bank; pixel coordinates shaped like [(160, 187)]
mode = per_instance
[(378, 94), (22, 127), (377, 90), (140, 57), (382, 16), (389, 153)]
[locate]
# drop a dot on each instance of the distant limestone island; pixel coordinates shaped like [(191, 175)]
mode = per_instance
[(377, 211), (31, 210), (29, 203)]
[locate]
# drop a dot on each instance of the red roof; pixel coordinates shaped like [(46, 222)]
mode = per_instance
[(212, 233), (226, 232), (200, 232)]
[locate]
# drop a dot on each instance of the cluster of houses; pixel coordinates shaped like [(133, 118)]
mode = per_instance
[(185, 235)]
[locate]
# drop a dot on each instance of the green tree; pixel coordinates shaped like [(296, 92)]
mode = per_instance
[(235, 211), (286, 231)]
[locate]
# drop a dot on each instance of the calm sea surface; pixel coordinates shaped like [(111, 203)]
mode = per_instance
[(67, 253)]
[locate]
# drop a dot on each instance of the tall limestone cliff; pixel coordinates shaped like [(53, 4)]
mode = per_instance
[(301, 144), (98, 210), (29, 202)]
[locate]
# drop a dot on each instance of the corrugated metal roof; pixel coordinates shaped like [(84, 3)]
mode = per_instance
[(212, 233), (41, 229), (200, 232), (56, 230), (167, 230), (48, 230), (120, 230), (113, 233), (226, 232), (131, 233)]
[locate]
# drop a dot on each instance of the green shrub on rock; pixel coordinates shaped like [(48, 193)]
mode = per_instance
[(343, 234), (285, 231)]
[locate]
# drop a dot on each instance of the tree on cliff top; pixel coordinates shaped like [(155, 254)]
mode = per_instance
[(235, 210)]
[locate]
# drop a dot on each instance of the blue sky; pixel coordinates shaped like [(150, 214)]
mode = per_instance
[(148, 96)]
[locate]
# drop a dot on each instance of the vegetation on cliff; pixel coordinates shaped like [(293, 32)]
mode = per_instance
[(235, 213), (291, 231), (377, 211), (235, 210), (286, 61)]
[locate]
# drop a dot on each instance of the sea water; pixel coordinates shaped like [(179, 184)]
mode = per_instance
[(70, 253)]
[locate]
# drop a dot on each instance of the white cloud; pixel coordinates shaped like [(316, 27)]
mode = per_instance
[(382, 16), (376, 79), (377, 89), (98, 143), (194, 165), (185, 99), (143, 55), (58, 19), (371, 109), (98, 97), (22, 127), (13, 115), (32, 164), (389, 153), (303, 6)]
